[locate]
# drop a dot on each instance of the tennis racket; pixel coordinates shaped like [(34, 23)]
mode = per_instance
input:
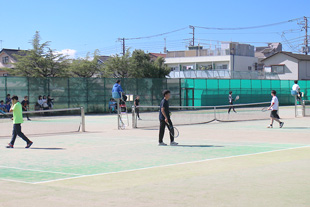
[(237, 98), (265, 109), (173, 131)]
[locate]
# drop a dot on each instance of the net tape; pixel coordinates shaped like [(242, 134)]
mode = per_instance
[(46, 122), (187, 115)]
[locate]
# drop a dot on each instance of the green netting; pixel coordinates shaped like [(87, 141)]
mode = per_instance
[(94, 93)]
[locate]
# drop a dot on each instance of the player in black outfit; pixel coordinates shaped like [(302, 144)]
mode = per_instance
[(164, 119), (25, 106), (137, 103), (231, 102)]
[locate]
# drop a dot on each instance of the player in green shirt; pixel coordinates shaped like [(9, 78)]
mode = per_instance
[(17, 110)]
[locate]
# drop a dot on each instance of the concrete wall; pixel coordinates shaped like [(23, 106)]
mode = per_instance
[(290, 66), (243, 62), (200, 59), (304, 70), (6, 65)]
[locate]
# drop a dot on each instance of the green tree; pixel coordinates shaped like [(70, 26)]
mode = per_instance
[(143, 67), (40, 61), (118, 66), (85, 67)]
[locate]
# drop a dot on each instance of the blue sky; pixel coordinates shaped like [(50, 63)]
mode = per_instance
[(83, 26)]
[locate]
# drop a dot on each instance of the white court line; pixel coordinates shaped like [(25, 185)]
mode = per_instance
[(15, 181), (43, 171), (168, 165)]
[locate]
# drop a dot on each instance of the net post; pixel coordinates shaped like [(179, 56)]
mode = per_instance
[(303, 108), (82, 119), (134, 125), (214, 112)]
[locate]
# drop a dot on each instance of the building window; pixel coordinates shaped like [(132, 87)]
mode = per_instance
[(5, 60), (277, 69)]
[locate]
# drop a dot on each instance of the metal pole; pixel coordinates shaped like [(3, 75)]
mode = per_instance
[(118, 113), (214, 112), (83, 119), (134, 122), (295, 106), (303, 108)]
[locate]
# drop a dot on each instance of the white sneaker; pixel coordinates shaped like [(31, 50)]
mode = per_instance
[(174, 143), (270, 126)]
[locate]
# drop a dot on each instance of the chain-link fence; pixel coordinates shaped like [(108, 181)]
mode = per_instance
[(94, 93)]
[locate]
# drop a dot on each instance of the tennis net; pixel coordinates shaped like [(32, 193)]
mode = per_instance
[(187, 115), (46, 122)]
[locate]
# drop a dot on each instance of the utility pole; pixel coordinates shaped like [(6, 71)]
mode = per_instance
[(123, 45), (165, 48), (306, 37), (193, 39)]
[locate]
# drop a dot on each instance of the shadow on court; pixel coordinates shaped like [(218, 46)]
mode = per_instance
[(296, 127), (190, 145), (40, 148), (47, 148)]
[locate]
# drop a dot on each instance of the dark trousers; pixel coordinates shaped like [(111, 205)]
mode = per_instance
[(162, 127), (17, 130), (231, 107), (138, 112), (26, 114)]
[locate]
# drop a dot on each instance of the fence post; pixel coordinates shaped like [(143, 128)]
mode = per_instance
[(104, 95), (180, 91), (68, 85), (6, 86)]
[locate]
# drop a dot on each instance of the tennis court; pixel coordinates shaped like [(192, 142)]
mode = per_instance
[(216, 164)]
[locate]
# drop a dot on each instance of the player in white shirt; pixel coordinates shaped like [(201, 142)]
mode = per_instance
[(297, 89), (274, 107)]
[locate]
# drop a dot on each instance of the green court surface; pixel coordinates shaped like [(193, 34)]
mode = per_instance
[(219, 164)]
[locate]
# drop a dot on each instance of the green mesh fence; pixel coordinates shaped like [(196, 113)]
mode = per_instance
[(94, 93)]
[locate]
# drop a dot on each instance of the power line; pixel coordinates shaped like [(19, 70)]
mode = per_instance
[(157, 35), (252, 27)]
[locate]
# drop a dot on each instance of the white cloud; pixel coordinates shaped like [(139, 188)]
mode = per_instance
[(70, 53)]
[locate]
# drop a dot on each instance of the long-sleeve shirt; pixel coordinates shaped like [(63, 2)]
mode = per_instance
[(117, 88)]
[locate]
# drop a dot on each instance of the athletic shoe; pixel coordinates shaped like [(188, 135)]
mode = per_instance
[(174, 143), (29, 144), (270, 126), (281, 124), (10, 146), (29, 119), (140, 119), (162, 144)]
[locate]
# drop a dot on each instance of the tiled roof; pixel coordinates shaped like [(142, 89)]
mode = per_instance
[(158, 55), (11, 52), (293, 55)]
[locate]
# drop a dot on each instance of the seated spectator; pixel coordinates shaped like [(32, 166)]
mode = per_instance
[(8, 106), (2, 106), (39, 103), (50, 102), (45, 105), (112, 106), (8, 99)]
